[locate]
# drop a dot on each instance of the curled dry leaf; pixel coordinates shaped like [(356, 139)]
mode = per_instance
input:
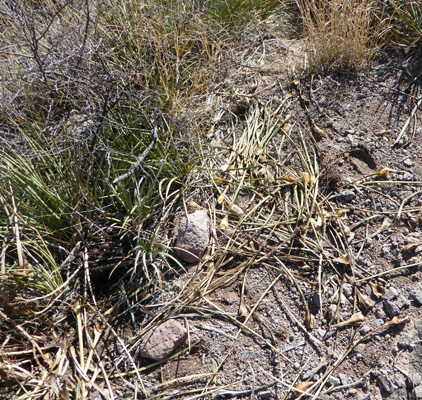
[(341, 260), (243, 310), (309, 320), (342, 212), (399, 320), (236, 210), (411, 246), (224, 224), (413, 222), (317, 132), (221, 181), (302, 387), (383, 173), (305, 177), (365, 302), (377, 290), (354, 320), (287, 127), (287, 180)]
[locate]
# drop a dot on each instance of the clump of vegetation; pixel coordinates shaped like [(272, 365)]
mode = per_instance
[(341, 33), (99, 149)]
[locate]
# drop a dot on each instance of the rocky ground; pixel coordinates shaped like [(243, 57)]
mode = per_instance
[(260, 331)]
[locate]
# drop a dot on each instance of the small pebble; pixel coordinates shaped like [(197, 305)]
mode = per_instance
[(407, 176), (416, 297), (348, 289), (408, 163), (401, 302), (385, 385), (391, 308), (265, 395), (344, 380), (349, 196), (331, 311), (378, 322), (391, 294), (380, 314)]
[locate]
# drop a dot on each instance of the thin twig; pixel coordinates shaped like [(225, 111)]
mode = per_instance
[(139, 160)]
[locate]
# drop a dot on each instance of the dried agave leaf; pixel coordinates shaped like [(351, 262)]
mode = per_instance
[(341, 260), (317, 132), (354, 320), (236, 210), (309, 320), (413, 222), (302, 387), (377, 290), (365, 302), (399, 320), (243, 310), (384, 172), (287, 127), (341, 212), (221, 181), (224, 223), (411, 246)]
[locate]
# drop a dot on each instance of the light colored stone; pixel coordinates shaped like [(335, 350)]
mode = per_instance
[(161, 341), (193, 236)]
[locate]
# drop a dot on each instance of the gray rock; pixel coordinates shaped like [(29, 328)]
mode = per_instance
[(348, 289), (162, 340), (378, 322), (408, 163), (399, 383), (379, 313), (401, 302), (391, 308), (193, 236), (331, 311), (416, 297), (316, 300), (321, 332), (418, 392), (390, 294), (407, 176), (344, 380), (349, 196), (265, 395), (385, 386), (334, 381)]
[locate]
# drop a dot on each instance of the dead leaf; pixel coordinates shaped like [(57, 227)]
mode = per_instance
[(378, 290), (286, 128), (413, 222), (243, 310), (317, 132), (364, 301), (302, 387), (383, 173), (224, 223), (354, 320), (221, 181), (399, 320), (341, 260), (309, 320)]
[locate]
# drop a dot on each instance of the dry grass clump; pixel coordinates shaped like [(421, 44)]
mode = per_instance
[(341, 33)]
